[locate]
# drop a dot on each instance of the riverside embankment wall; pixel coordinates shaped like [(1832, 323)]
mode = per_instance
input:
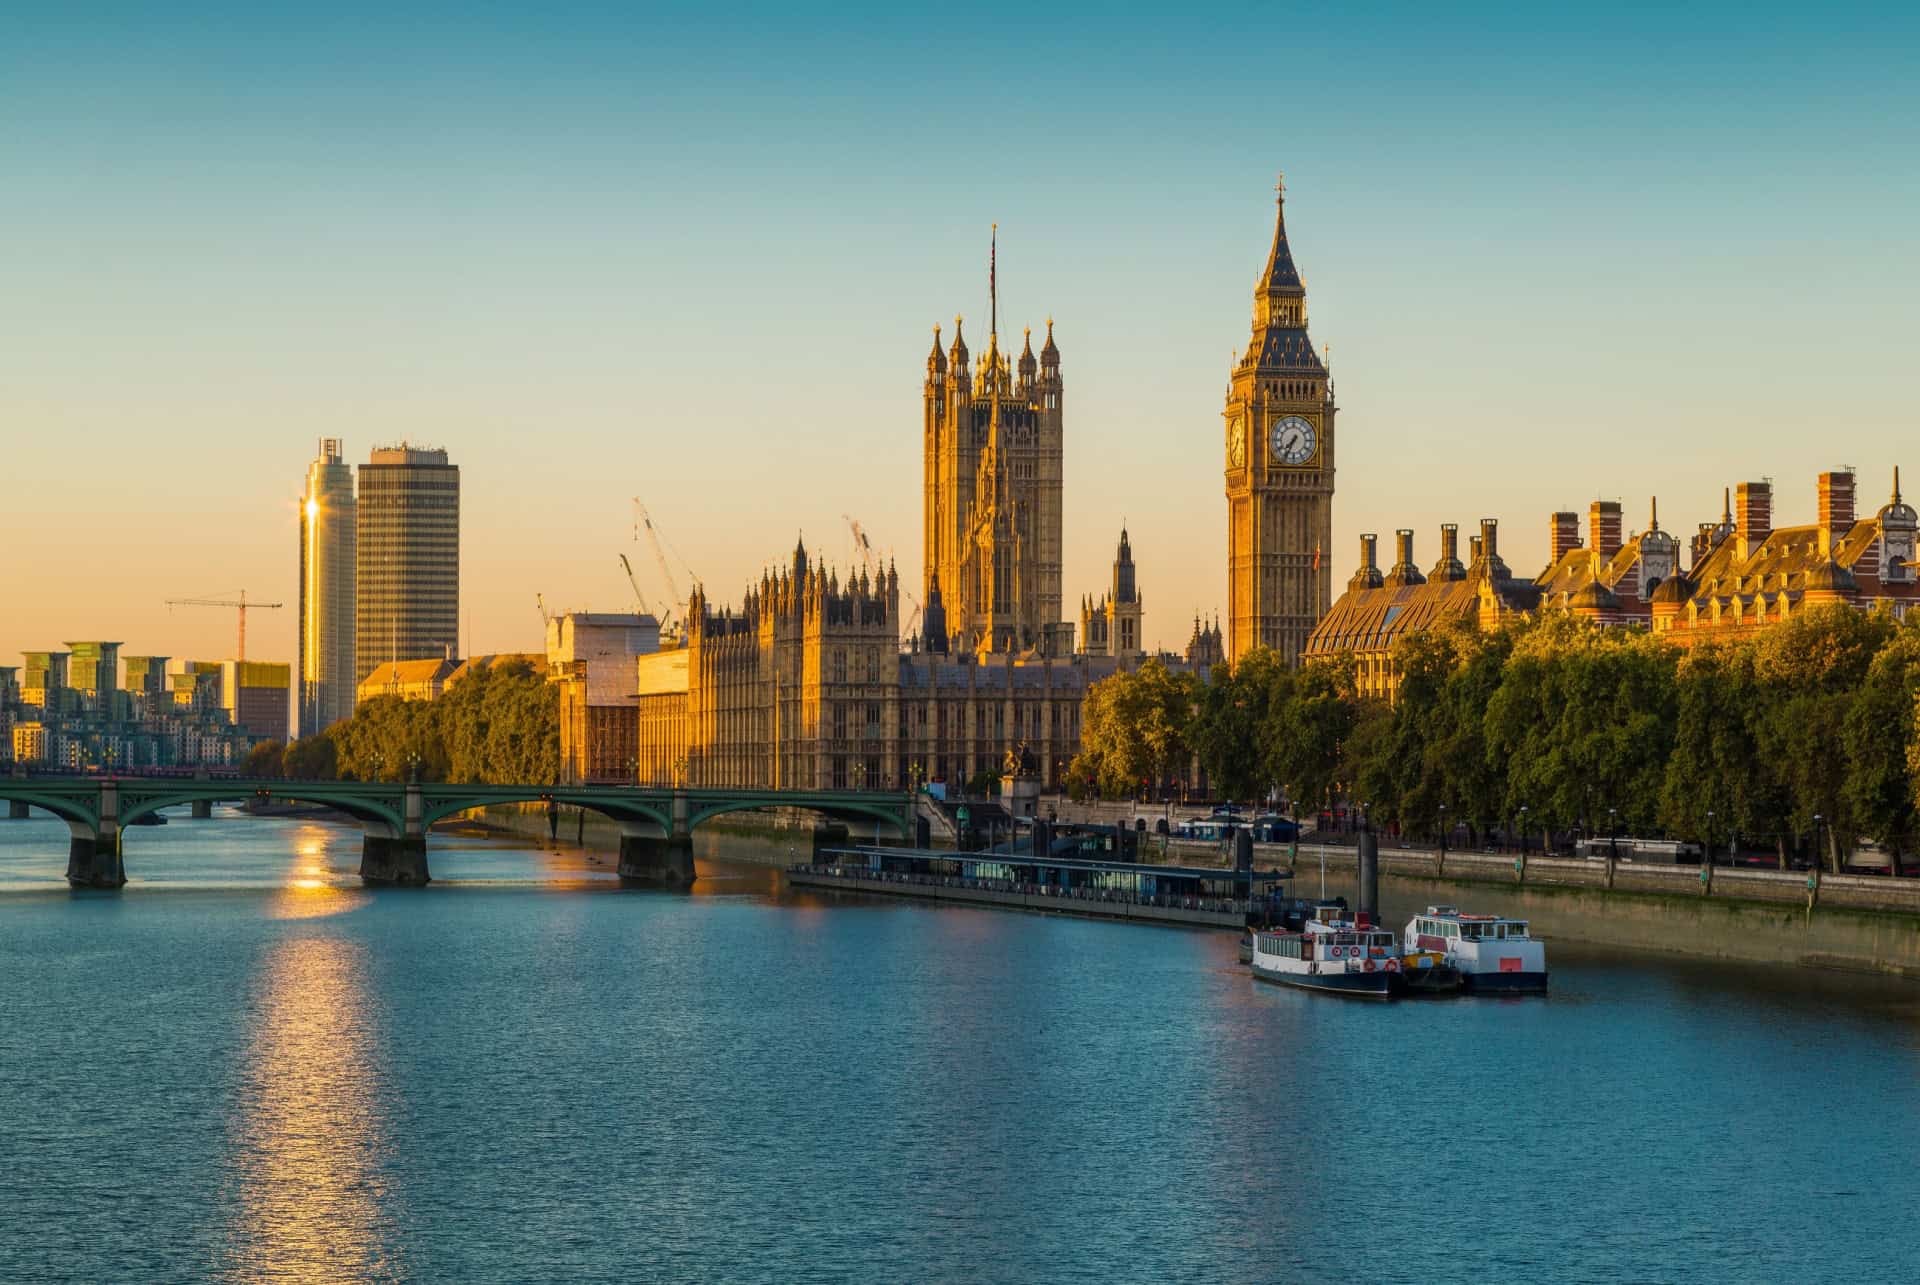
[(776, 837), (1853, 922), (1859, 923)]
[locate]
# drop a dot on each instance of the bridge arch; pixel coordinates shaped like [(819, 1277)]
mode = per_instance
[(834, 810), (74, 812), (365, 810), (626, 811)]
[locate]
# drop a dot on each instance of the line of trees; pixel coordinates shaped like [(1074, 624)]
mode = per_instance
[(1803, 733), (499, 724)]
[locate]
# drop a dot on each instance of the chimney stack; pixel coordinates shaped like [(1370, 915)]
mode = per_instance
[(1473, 548), (1448, 567), (1752, 515), (1368, 576), (1562, 536), (1603, 527), (1403, 547), (1490, 539), (1836, 504)]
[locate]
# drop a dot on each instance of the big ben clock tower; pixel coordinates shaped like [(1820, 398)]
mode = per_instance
[(1279, 452)]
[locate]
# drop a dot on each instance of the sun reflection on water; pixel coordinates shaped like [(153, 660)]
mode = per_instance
[(307, 1197)]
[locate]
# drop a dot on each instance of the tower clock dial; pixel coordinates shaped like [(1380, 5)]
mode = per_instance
[(1294, 441), (1236, 442)]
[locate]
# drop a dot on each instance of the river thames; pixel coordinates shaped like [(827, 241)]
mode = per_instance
[(244, 1066)]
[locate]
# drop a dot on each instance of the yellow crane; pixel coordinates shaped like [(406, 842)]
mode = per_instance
[(241, 602)]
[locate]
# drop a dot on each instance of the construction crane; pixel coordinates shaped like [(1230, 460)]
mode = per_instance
[(240, 651), (641, 598), (540, 601), (862, 549), (641, 519)]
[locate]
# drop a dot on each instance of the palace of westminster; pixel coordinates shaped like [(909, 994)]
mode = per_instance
[(815, 682)]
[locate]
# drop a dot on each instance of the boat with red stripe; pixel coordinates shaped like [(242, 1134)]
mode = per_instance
[(1492, 953), (1342, 956)]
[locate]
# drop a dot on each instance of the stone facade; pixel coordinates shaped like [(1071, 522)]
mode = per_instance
[(1112, 625), (806, 686), (1745, 573), (1279, 469), (993, 450)]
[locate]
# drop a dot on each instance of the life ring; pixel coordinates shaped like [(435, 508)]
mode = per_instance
[(1369, 965), (1393, 965)]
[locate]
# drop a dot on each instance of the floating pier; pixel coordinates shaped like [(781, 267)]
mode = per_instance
[(1194, 897)]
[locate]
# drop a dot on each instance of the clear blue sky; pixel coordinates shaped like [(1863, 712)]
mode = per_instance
[(694, 254)]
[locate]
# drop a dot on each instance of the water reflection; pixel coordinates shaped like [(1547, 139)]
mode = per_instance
[(306, 1191)]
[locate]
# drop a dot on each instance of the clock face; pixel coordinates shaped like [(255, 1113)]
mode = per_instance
[(1294, 441), (1236, 443)]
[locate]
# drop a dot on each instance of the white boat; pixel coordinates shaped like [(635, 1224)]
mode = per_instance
[(1343, 956), (1490, 952)]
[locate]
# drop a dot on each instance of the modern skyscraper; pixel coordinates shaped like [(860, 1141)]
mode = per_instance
[(327, 579), (1279, 476), (408, 558)]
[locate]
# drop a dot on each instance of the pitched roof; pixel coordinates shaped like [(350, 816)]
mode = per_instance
[(395, 673), (1280, 273)]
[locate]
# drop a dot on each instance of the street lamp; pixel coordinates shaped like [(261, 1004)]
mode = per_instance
[(1613, 833), (1818, 858), (1709, 836), (1443, 829), (1523, 829)]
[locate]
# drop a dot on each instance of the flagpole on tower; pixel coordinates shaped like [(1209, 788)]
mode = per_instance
[(993, 283)]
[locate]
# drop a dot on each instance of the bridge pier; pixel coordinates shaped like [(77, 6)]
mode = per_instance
[(657, 861), (830, 834), (202, 809), (93, 861), (16, 810), (395, 859)]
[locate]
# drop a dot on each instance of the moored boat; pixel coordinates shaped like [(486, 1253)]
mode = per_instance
[(1492, 953), (1340, 956), (1426, 972)]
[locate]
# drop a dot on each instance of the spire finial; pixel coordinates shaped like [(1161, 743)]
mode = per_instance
[(1896, 484), (1653, 513), (1280, 186)]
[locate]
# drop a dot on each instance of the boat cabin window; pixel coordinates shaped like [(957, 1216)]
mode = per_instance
[(1516, 930)]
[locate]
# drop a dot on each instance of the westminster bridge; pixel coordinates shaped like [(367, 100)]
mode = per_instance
[(656, 823)]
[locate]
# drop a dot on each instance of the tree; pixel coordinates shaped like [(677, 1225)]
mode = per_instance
[(1880, 744), (312, 758), (1808, 670), (499, 724), (1716, 786), (1308, 720), (1583, 719), (264, 760), (1133, 729), (1229, 711)]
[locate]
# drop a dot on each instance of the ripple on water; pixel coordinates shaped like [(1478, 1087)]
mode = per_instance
[(246, 1066)]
